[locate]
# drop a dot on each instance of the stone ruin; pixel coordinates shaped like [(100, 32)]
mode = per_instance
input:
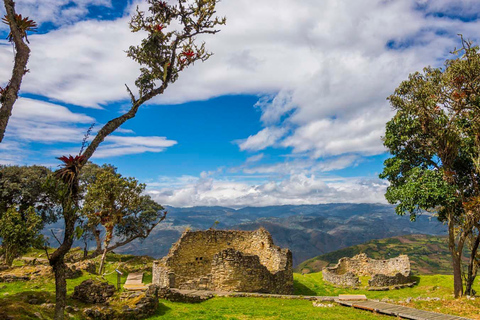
[(226, 260), (383, 273)]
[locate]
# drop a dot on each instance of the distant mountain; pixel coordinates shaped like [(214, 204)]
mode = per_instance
[(428, 254), (307, 230)]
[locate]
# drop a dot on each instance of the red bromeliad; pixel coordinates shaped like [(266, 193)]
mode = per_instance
[(189, 54), (70, 171)]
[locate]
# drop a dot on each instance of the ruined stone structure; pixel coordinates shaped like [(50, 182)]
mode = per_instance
[(383, 273), (225, 260)]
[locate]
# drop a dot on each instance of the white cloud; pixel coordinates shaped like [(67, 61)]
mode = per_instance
[(56, 11), (297, 189), (255, 158), (324, 69), (263, 139), (122, 145)]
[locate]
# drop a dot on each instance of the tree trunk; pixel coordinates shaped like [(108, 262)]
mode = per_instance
[(456, 253), (57, 261), (472, 270), (60, 289), (108, 237), (22, 54), (457, 276), (102, 262), (98, 241)]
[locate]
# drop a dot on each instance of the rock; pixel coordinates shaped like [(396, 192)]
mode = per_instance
[(12, 278), (91, 268), (34, 301), (72, 273), (90, 291), (146, 306), (38, 315), (97, 314), (319, 304), (4, 267), (71, 309), (188, 296)]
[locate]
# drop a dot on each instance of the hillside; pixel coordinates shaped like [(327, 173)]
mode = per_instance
[(428, 254), (307, 230)]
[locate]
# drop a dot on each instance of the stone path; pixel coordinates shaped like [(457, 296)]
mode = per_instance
[(397, 310), (134, 282)]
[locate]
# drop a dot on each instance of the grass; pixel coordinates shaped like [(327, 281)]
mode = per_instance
[(257, 308), (428, 286), (14, 298)]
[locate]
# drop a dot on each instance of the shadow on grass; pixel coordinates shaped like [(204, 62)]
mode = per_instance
[(301, 289), (162, 309), (417, 280)]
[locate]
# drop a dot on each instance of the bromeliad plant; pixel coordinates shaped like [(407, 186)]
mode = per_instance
[(24, 24)]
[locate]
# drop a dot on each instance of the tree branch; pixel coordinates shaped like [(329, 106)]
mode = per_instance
[(53, 234), (10, 93), (132, 96)]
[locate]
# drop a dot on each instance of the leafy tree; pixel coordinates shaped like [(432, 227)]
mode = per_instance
[(432, 167), (24, 187), (116, 203), (19, 231), (170, 47), (18, 36), (463, 99)]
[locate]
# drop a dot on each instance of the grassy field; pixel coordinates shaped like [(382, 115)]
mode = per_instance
[(15, 297), (428, 254)]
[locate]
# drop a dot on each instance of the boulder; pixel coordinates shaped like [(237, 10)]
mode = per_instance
[(91, 291)]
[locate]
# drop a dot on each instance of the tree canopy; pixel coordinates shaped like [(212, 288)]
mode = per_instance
[(434, 139)]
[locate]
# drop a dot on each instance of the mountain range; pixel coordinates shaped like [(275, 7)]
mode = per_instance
[(307, 230)]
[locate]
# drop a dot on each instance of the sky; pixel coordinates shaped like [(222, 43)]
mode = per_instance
[(290, 109)]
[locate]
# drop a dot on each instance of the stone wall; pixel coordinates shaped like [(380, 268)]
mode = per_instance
[(226, 260), (383, 272)]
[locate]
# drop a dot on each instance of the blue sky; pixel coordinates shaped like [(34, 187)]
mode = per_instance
[(290, 109)]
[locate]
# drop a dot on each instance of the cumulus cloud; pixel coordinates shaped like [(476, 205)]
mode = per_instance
[(322, 70), (297, 189)]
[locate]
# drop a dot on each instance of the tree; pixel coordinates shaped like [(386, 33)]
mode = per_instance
[(432, 167), (117, 204), (18, 36), (163, 54), (19, 231), (25, 186)]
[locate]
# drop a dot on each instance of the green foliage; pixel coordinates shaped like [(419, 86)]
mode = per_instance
[(24, 187), (110, 199), (431, 137), (167, 50), (19, 231)]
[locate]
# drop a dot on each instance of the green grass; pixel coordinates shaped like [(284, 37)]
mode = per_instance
[(257, 308), (14, 298)]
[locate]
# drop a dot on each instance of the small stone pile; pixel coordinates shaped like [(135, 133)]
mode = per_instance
[(91, 291), (139, 307)]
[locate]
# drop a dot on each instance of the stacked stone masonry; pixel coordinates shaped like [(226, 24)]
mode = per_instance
[(226, 260), (383, 273)]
